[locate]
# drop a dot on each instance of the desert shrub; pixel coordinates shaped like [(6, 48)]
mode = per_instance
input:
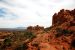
[(58, 35), (7, 42), (0, 46), (22, 47), (35, 44), (18, 36), (29, 35), (47, 29), (61, 32), (65, 32)]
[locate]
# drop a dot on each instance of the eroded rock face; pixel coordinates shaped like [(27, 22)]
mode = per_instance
[(63, 16), (61, 36)]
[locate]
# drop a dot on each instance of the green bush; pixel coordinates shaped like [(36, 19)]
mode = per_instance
[(7, 42), (65, 32), (61, 32), (22, 47), (29, 35)]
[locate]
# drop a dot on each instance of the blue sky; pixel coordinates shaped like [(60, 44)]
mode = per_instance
[(23, 13)]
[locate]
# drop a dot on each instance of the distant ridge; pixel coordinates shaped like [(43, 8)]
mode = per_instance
[(13, 29)]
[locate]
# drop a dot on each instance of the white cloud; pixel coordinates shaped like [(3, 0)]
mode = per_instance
[(33, 12)]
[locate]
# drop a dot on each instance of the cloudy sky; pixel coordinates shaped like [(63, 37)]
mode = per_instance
[(23, 13)]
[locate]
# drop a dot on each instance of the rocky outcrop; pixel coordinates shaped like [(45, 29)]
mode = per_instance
[(60, 36), (63, 16)]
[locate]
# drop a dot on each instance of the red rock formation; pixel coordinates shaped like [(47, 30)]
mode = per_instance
[(60, 36), (62, 16)]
